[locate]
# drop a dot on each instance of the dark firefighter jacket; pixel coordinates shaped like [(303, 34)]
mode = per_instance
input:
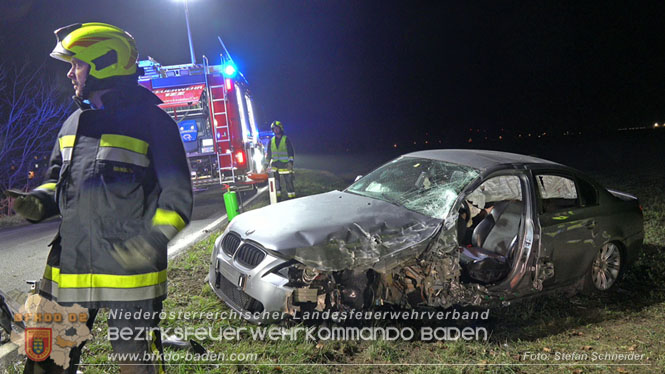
[(115, 173)]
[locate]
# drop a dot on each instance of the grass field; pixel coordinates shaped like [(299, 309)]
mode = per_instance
[(629, 320)]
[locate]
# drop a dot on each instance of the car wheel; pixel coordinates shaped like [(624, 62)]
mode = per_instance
[(606, 269)]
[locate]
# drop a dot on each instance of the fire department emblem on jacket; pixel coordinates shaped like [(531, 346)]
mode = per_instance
[(38, 343)]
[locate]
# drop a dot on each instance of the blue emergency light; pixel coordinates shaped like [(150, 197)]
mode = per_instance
[(230, 70)]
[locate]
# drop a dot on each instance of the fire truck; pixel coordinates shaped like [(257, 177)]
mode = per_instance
[(213, 107)]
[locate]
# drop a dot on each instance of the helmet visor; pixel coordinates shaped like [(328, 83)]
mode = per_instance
[(60, 53)]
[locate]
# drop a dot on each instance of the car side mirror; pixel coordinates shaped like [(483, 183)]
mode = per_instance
[(358, 177)]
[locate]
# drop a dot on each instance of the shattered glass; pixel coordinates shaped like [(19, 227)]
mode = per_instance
[(384, 222), (429, 187)]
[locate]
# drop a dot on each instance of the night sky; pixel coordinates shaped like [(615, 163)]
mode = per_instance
[(339, 73)]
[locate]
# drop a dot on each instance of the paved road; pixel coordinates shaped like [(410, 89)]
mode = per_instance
[(23, 249)]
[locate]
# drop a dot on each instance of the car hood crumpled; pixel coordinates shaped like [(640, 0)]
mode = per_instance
[(338, 230)]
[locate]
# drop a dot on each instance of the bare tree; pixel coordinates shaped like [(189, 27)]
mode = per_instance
[(31, 112)]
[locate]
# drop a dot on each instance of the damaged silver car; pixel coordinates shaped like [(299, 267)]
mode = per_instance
[(431, 228)]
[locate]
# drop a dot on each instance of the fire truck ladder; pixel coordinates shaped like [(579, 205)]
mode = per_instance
[(224, 125)]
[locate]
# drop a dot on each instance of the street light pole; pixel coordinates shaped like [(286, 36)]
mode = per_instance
[(189, 34)]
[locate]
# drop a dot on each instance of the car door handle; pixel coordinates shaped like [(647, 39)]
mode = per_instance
[(590, 225)]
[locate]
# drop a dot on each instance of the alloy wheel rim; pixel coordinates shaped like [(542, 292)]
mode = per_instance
[(606, 266)]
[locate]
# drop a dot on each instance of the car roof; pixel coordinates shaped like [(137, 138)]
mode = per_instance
[(479, 159)]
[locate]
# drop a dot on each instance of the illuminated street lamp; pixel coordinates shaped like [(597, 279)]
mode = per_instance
[(189, 33)]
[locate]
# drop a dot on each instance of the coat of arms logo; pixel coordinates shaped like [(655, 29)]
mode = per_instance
[(38, 343)]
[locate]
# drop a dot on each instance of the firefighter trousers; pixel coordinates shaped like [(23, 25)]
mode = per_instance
[(138, 352), (288, 177)]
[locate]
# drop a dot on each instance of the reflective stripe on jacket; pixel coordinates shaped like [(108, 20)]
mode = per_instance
[(280, 155), (279, 152), (114, 174)]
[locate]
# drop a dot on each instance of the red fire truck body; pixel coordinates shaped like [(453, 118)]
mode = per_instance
[(213, 107)]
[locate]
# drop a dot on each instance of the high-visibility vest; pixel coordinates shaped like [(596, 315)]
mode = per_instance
[(279, 153)]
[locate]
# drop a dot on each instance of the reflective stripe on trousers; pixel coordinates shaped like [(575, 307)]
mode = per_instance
[(100, 287)]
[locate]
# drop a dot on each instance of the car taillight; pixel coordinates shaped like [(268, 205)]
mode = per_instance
[(240, 158)]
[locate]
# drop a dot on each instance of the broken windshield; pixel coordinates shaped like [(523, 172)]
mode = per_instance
[(429, 187)]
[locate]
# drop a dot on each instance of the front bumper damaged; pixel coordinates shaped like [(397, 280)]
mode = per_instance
[(262, 295), (366, 253)]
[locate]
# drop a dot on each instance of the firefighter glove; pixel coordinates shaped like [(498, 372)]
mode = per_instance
[(140, 252), (28, 206)]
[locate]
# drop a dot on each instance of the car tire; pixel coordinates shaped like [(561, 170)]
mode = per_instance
[(605, 270)]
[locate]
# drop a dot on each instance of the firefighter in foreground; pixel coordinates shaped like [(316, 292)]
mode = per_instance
[(280, 158), (119, 178)]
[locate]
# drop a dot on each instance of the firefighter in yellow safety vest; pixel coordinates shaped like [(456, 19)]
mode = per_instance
[(280, 158)]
